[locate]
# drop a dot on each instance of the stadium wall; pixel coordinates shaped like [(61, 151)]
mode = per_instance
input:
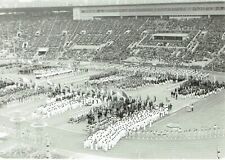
[(178, 9)]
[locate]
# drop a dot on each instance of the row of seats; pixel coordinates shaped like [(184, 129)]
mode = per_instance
[(120, 37)]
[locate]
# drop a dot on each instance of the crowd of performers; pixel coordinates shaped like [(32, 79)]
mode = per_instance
[(198, 88), (156, 70), (122, 116), (107, 138), (122, 107), (130, 115), (176, 133), (140, 80), (103, 75), (110, 103), (132, 78), (62, 100), (28, 69), (10, 65), (45, 73), (18, 91), (5, 83)]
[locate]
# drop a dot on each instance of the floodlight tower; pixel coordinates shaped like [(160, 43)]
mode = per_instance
[(39, 134), (18, 120)]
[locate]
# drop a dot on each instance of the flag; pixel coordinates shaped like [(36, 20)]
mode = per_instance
[(113, 93), (49, 82), (124, 95)]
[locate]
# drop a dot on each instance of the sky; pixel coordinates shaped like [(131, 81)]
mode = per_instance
[(14, 3)]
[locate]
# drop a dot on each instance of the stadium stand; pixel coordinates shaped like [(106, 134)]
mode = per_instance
[(57, 35)]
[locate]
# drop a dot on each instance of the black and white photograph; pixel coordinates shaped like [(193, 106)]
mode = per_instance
[(112, 79)]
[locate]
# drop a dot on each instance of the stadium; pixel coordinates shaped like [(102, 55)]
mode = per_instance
[(112, 79)]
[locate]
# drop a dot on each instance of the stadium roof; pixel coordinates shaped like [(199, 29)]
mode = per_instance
[(77, 3), (136, 2)]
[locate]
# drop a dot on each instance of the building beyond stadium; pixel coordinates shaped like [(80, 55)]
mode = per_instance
[(124, 8), (159, 8)]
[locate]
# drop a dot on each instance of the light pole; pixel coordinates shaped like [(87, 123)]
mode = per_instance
[(18, 120), (39, 134)]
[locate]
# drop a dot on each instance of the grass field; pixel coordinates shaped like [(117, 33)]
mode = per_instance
[(68, 138)]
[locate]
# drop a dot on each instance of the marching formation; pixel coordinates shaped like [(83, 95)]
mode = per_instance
[(135, 77), (107, 139), (63, 103), (199, 88), (51, 72), (18, 91)]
